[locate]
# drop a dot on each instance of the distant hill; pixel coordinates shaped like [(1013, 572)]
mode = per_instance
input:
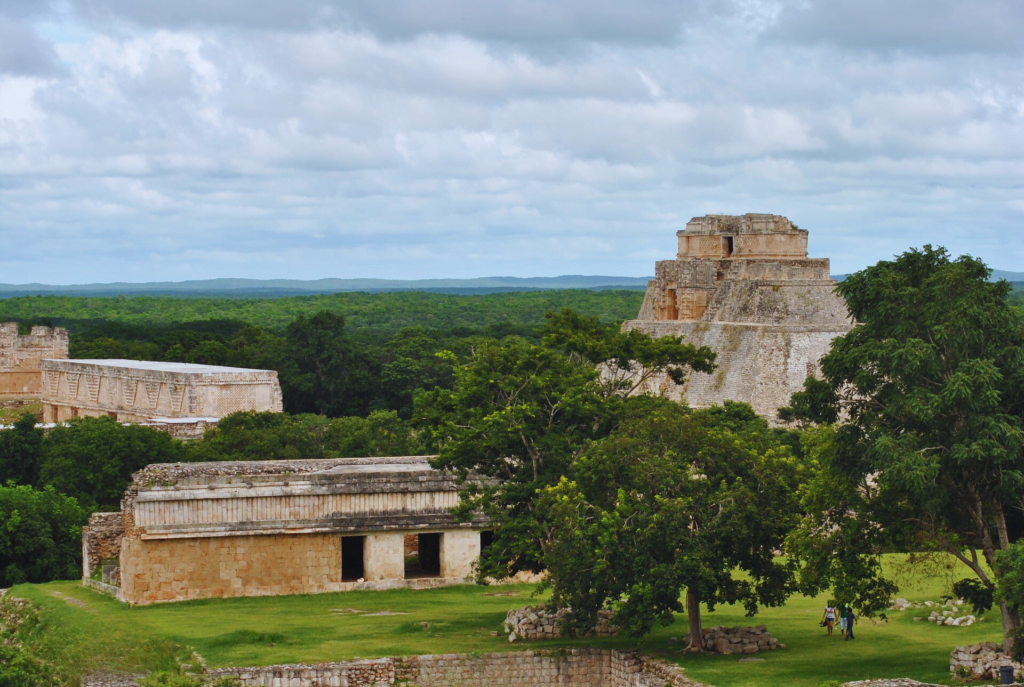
[(271, 288)]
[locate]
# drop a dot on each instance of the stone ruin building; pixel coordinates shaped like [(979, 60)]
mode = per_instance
[(155, 393), (744, 286), (199, 530), (21, 355)]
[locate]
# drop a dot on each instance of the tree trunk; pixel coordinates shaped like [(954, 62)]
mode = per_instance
[(1011, 621), (693, 615)]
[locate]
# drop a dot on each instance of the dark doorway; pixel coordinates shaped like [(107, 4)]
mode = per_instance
[(486, 539), (728, 246), (352, 558), (427, 560)]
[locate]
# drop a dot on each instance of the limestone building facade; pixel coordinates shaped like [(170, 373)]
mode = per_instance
[(261, 528), (138, 391), (22, 354), (744, 286)]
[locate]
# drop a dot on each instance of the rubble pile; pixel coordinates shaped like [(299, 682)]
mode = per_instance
[(536, 622), (981, 662), (739, 640)]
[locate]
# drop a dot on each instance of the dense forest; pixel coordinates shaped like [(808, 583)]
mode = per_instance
[(376, 313)]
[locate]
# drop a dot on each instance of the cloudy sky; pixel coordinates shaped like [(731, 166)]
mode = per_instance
[(180, 139)]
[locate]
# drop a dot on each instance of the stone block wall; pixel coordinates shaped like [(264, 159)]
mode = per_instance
[(21, 356), (180, 569), (577, 667), (101, 540)]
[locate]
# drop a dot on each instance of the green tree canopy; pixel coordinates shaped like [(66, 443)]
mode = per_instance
[(673, 499), (928, 391), (21, 451), (40, 535), (92, 459), (520, 414)]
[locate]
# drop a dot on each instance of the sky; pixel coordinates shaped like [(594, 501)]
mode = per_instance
[(145, 140)]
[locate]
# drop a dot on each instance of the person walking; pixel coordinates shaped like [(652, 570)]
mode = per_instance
[(830, 617), (850, 619), (842, 619)]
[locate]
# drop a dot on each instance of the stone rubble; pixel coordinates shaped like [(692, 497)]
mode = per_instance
[(945, 614), (739, 640), (536, 622), (981, 662)]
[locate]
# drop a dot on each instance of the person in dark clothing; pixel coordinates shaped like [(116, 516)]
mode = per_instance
[(850, 618)]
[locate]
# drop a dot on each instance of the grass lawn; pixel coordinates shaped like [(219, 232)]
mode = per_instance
[(264, 631), (11, 410)]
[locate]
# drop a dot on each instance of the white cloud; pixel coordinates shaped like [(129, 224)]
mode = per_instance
[(182, 140)]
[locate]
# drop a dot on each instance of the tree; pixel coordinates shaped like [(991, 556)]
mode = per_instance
[(929, 393), (673, 499), (254, 435), (21, 451), (520, 414), (40, 535), (629, 361), (410, 363), (333, 376), (92, 459)]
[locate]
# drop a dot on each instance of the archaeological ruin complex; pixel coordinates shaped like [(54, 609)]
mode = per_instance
[(199, 530), (21, 355), (139, 391), (744, 286)]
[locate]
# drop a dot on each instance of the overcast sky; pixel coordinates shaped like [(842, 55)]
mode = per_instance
[(180, 139)]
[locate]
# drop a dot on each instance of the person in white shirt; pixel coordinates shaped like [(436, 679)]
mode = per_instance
[(829, 618)]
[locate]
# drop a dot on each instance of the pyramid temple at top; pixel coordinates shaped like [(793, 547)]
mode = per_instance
[(744, 286)]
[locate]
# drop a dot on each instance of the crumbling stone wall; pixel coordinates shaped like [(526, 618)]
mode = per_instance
[(536, 622), (101, 540), (21, 356), (578, 667), (739, 640), (981, 662)]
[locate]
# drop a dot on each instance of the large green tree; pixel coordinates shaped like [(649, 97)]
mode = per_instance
[(673, 500), (333, 376), (928, 393), (21, 451), (40, 535), (92, 459), (520, 414)]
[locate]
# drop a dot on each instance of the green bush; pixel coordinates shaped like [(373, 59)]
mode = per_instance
[(18, 668)]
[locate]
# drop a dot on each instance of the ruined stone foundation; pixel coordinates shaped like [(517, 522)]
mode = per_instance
[(745, 287)]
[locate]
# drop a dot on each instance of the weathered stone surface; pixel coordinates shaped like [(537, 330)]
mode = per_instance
[(101, 548), (577, 667), (745, 287), (536, 622), (263, 528), (136, 391), (739, 640), (981, 662), (21, 356)]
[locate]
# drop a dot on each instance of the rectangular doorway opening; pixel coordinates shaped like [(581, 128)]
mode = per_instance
[(352, 558), (728, 246), (426, 561), (486, 540)]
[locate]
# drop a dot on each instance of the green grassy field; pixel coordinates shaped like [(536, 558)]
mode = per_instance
[(264, 631)]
